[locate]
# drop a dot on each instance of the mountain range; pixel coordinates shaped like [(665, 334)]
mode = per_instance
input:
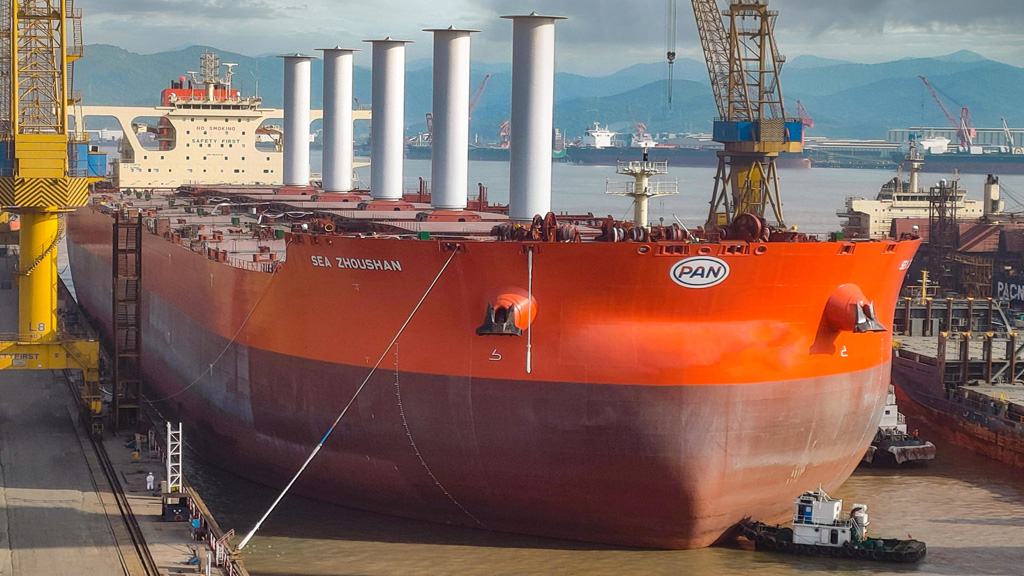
[(846, 99)]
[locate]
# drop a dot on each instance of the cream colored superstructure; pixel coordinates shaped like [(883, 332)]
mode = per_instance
[(873, 218), (208, 143)]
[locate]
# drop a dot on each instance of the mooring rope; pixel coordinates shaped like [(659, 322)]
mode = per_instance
[(209, 369), (344, 411)]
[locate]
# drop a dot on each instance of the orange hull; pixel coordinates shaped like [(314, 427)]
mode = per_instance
[(635, 409)]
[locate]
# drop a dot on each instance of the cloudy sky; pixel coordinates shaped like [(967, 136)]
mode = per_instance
[(600, 36)]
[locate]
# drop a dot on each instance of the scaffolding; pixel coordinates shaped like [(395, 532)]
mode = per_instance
[(943, 234), (127, 284)]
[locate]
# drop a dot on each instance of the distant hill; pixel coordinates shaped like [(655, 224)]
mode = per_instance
[(846, 99)]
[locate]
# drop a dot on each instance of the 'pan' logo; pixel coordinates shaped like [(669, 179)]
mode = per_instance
[(700, 272)]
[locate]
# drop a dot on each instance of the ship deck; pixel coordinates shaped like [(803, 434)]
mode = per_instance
[(245, 226), (994, 383)]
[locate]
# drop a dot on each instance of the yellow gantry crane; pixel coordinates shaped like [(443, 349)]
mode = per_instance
[(39, 41), (744, 64)]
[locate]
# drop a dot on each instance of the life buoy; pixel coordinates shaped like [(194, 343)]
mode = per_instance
[(328, 227), (1018, 150)]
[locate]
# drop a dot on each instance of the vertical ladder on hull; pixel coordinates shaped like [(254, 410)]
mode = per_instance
[(127, 286)]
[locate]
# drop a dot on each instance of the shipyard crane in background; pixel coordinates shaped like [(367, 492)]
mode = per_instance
[(744, 64), (41, 179), (472, 105), (805, 119), (477, 93), (1009, 135), (963, 126)]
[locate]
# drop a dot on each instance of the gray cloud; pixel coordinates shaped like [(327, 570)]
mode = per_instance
[(190, 9), (600, 36), (877, 15)]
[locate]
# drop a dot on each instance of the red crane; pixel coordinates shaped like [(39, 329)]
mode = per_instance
[(805, 118), (476, 94), (963, 126), (472, 104)]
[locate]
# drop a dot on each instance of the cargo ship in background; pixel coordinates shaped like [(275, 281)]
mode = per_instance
[(956, 362), (419, 147), (602, 147), (572, 377), (963, 147), (975, 159)]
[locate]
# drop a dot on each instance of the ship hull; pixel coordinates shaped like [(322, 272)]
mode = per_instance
[(679, 157), (647, 433), (979, 431), (476, 153)]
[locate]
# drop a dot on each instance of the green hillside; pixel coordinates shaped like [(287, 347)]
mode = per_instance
[(846, 99)]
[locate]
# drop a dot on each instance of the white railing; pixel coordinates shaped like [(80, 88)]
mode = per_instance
[(638, 166), (660, 188)]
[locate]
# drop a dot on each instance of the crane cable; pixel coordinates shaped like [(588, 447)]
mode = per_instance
[(350, 402), (670, 46)]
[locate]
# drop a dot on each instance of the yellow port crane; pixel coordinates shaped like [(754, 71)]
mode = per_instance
[(744, 64), (39, 41)]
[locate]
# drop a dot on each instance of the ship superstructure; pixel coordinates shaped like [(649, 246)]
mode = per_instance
[(206, 134), (899, 198)]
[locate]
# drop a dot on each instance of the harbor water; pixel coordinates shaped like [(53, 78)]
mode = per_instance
[(968, 509)]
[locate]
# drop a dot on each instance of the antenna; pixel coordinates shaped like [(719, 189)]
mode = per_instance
[(227, 77), (256, 77)]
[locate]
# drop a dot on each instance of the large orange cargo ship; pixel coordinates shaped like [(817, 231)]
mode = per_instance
[(634, 409), (572, 377)]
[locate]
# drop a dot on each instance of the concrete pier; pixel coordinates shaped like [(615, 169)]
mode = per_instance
[(67, 508), (54, 510)]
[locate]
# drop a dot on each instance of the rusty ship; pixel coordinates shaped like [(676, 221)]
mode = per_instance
[(572, 377)]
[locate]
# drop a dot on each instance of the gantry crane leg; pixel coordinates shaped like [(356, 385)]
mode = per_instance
[(38, 183)]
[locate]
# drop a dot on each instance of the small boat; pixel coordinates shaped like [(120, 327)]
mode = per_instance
[(819, 530), (892, 444)]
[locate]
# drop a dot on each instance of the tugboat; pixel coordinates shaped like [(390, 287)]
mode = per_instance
[(893, 445), (819, 530)]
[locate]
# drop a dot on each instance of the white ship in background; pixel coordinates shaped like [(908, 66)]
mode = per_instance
[(206, 134), (900, 198)]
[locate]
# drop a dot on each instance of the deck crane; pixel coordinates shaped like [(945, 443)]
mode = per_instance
[(743, 64), (41, 180), (963, 126)]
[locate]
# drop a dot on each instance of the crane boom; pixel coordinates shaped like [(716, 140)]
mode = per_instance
[(477, 93), (743, 63), (961, 126), (805, 118), (716, 45)]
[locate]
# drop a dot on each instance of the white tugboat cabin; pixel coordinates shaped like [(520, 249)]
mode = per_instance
[(818, 521)]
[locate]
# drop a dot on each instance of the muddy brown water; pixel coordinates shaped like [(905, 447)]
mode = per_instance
[(967, 508)]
